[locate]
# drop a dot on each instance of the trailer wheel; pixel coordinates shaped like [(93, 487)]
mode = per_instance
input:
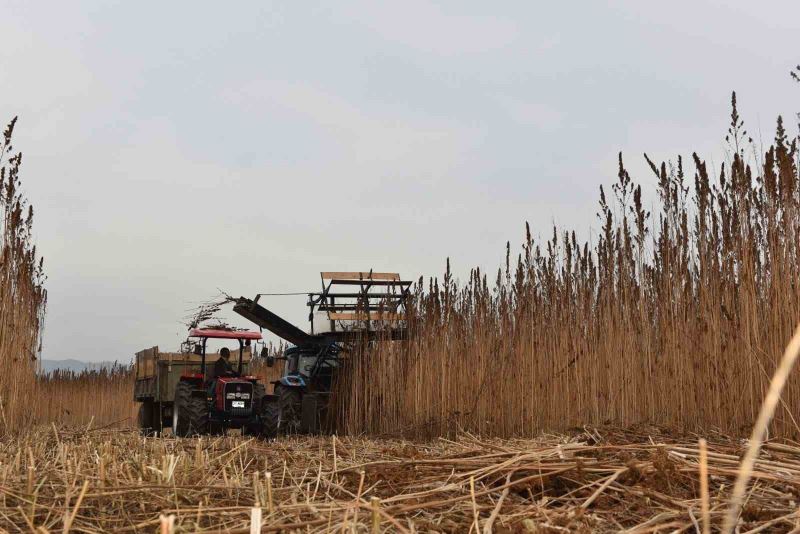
[(189, 412), (145, 418), (289, 402)]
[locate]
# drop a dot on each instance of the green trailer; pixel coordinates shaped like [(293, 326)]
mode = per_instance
[(157, 376)]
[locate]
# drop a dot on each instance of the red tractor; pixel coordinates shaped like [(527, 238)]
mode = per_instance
[(206, 404)]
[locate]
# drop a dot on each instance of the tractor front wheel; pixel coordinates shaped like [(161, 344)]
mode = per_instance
[(189, 412)]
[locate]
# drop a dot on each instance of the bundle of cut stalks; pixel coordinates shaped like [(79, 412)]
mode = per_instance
[(597, 480)]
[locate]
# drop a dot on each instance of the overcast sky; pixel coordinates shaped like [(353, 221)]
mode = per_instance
[(174, 148)]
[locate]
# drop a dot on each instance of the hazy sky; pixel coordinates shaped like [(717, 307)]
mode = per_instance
[(174, 148)]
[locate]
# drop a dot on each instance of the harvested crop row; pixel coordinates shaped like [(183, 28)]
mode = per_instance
[(592, 481)]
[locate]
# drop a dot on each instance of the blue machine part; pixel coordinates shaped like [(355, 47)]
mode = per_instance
[(292, 381)]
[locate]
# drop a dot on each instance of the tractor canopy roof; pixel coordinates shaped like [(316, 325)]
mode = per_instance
[(216, 333)]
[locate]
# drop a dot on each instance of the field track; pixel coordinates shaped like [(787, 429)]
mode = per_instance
[(591, 481)]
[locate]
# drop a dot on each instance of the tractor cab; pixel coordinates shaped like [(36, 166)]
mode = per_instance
[(245, 338), (300, 362), (310, 366)]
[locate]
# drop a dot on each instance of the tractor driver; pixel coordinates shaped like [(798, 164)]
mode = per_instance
[(222, 367)]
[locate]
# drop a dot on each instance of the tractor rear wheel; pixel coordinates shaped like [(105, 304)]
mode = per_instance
[(270, 418), (290, 403), (190, 412), (145, 418)]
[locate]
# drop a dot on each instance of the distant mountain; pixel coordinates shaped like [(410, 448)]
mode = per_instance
[(48, 366)]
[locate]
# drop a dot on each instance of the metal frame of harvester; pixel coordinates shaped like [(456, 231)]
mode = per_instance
[(352, 309)]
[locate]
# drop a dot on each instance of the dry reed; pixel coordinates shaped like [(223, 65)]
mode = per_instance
[(676, 319), (101, 398), (22, 295)]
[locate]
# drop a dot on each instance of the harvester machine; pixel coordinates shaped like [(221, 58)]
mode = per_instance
[(353, 309)]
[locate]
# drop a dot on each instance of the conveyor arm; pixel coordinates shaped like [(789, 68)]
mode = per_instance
[(254, 312)]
